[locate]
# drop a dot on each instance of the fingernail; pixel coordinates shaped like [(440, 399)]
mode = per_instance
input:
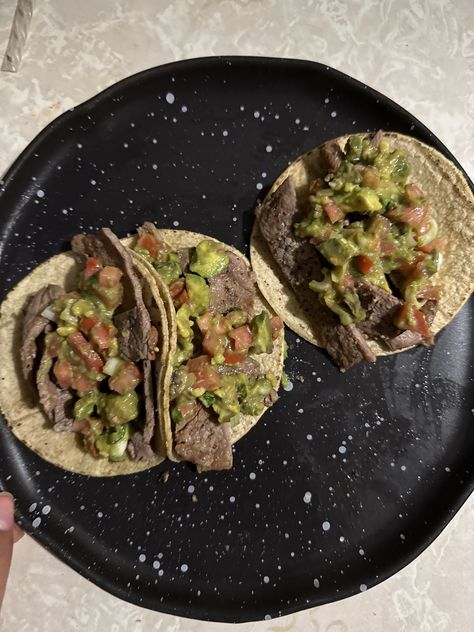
[(6, 511)]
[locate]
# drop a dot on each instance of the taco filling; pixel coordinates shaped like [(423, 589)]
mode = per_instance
[(216, 378), (90, 352), (361, 241)]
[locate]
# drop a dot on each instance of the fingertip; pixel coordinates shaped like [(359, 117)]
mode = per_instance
[(6, 511)]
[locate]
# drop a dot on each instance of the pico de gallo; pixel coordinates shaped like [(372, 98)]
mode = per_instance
[(213, 364), (84, 357), (369, 224)]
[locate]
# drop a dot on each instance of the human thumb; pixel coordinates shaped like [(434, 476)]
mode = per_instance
[(6, 538)]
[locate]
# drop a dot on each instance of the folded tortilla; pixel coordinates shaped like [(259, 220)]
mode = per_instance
[(19, 399), (268, 363), (451, 205)]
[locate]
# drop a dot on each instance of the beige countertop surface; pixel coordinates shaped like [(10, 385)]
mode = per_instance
[(418, 52)]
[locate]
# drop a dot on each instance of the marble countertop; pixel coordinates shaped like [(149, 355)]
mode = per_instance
[(417, 52)]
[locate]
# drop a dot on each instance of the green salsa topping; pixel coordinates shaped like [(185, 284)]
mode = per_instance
[(214, 350), (83, 352), (369, 224)]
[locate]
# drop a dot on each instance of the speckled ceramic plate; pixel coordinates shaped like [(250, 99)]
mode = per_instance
[(348, 477)]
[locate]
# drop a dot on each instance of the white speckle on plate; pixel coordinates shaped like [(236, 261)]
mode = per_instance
[(141, 557), (32, 507), (361, 552), (256, 114), (342, 449), (363, 587), (334, 114), (288, 387), (36, 523), (232, 499), (46, 509), (184, 108), (184, 568), (191, 489), (268, 149), (266, 579), (326, 525), (267, 617), (309, 437), (175, 223), (170, 98), (40, 193), (225, 132), (154, 166), (307, 497), (316, 583), (100, 514), (252, 476), (156, 564), (403, 468), (259, 186)]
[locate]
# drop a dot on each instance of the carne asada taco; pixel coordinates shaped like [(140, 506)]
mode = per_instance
[(364, 245), (226, 345), (89, 332)]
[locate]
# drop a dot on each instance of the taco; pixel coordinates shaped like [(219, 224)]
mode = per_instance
[(362, 245), (88, 331), (226, 345)]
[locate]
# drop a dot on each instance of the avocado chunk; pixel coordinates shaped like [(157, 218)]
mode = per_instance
[(169, 270), (338, 250), (84, 406), (365, 201), (198, 292), (183, 322), (209, 259), (262, 333), (119, 409)]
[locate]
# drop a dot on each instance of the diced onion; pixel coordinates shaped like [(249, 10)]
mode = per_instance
[(111, 366), (49, 314)]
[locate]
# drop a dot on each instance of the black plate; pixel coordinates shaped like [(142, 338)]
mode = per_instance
[(348, 477)]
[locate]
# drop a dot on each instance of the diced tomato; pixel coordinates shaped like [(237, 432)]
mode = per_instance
[(412, 193), (54, 344), (276, 325), (429, 292), (84, 350), (152, 244), (205, 374), (63, 373), (414, 215), (204, 321), (347, 281), (102, 335), (127, 378), (109, 276), (410, 317), (177, 287), (364, 263), (87, 322), (234, 357), (220, 325), (213, 343), (83, 384), (187, 410), (437, 244), (93, 265), (181, 299), (332, 211), (241, 338), (370, 178), (386, 248)]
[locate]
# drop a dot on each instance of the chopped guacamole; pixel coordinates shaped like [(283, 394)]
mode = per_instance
[(215, 350), (85, 358), (370, 225)]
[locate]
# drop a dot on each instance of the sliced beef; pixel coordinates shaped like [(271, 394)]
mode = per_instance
[(34, 325), (234, 287), (410, 338), (250, 367), (57, 402), (202, 440), (381, 308), (139, 449), (377, 137), (299, 263), (136, 340), (331, 156), (149, 397)]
